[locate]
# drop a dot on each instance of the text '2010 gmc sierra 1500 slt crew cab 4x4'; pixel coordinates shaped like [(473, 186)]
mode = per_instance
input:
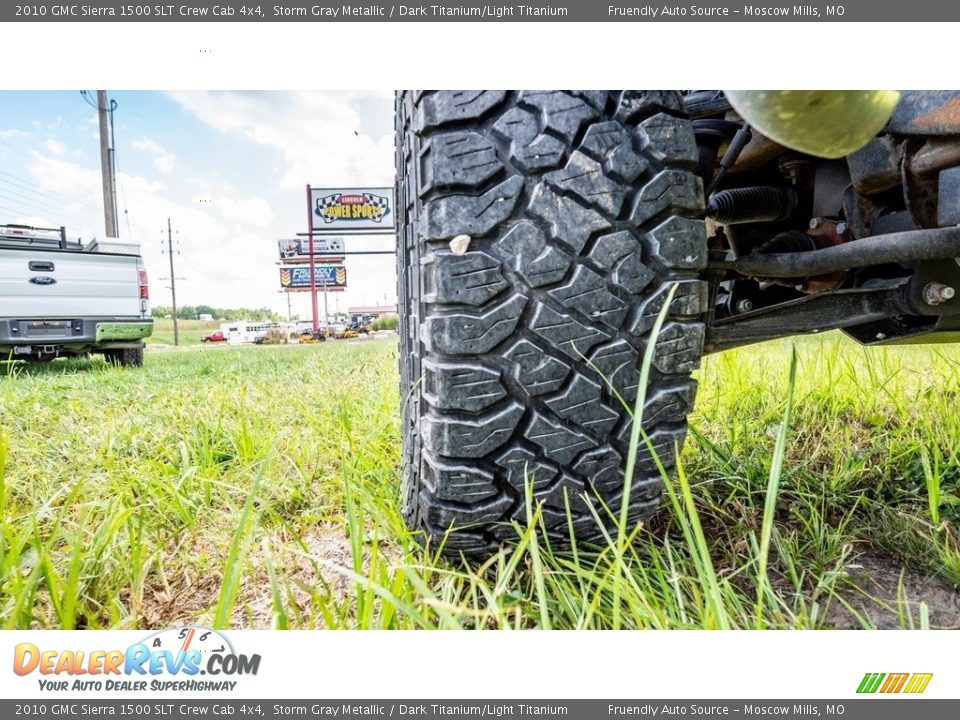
[(60, 297)]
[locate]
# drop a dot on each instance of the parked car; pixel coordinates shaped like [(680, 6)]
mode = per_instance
[(214, 337), (59, 297)]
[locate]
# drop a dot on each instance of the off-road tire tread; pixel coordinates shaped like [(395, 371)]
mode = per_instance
[(125, 357), (521, 342)]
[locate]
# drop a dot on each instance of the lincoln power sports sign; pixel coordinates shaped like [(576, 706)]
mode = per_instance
[(353, 209)]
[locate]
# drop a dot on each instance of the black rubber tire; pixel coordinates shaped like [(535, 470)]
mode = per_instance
[(539, 235), (125, 357)]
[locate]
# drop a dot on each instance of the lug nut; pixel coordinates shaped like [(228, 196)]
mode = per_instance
[(937, 293)]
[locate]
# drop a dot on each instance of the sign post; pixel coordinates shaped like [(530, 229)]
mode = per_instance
[(313, 277)]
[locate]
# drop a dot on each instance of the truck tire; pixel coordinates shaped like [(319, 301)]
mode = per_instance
[(125, 357), (539, 235)]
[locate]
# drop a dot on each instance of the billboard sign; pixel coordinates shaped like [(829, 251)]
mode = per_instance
[(298, 276), (353, 209), (300, 248)]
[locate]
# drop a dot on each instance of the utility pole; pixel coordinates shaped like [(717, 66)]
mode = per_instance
[(106, 167), (173, 285)]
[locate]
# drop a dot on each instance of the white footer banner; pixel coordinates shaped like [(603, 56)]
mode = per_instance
[(197, 662)]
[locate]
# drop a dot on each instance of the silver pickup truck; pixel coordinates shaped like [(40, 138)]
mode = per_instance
[(60, 297)]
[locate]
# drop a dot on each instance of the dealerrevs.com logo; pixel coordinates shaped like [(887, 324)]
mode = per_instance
[(172, 659)]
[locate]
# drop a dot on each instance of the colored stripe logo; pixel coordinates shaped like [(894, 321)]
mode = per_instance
[(912, 683)]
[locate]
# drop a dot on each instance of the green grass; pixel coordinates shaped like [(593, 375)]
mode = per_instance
[(190, 331), (258, 487)]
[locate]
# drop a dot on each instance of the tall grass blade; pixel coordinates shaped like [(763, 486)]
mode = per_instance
[(764, 588)]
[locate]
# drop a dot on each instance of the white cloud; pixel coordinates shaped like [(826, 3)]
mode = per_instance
[(251, 211), (164, 163), (41, 221), (55, 147), (74, 181), (163, 160), (12, 133), (223, 262), (320, 134), (321, 138)]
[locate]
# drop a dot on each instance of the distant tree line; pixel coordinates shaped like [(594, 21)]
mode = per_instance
[(193, 312)]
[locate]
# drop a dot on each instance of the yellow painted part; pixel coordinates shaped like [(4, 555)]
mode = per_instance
[(824, 123)]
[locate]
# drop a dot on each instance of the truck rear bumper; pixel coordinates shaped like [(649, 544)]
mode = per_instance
[(62, 332)]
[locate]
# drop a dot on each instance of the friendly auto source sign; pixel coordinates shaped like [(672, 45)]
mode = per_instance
[(301, 248), (327, 276), (353, 209)]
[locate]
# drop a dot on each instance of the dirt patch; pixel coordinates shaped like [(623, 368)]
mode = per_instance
[(874, 591), (301, 572)]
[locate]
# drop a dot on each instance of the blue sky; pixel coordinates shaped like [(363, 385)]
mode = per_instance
[(228, 168)]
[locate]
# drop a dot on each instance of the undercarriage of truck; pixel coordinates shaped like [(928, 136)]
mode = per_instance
[(865, 242)]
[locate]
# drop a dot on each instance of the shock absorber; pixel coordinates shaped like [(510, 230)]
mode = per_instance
[(752, 204)]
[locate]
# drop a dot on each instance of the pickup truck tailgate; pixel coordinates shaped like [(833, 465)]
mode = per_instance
[(45, 284)]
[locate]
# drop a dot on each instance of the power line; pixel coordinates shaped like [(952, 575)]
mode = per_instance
[(42, 207), (23, 184), (12, 212), (21, 195), (26, 184), (14, 147), (16, 197), (18, 213), (54, 202), (94, 103), (116, 176), (25, 210), (126, 212), (30, 208)]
